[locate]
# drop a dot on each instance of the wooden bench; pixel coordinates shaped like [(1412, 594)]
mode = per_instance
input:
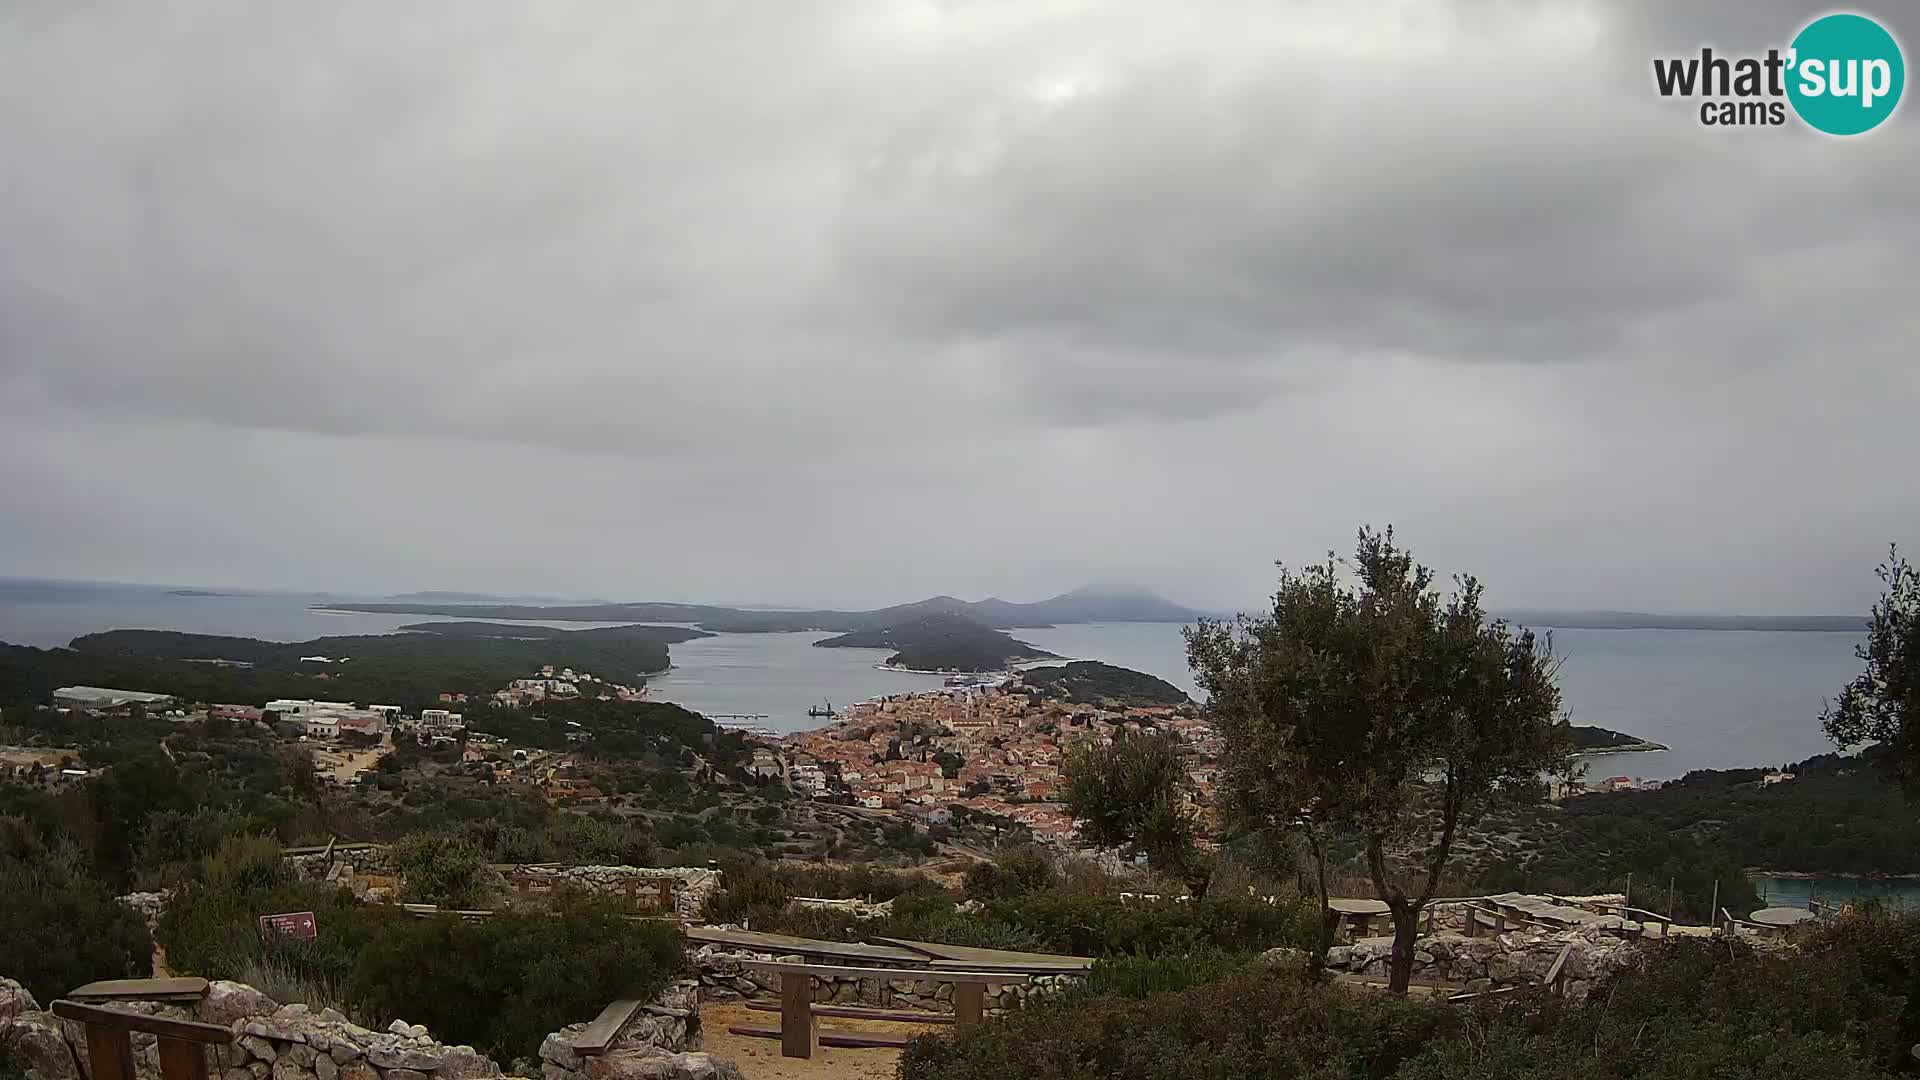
[(799, 1031), (110, 1041), (169, 990), (601, 1031)]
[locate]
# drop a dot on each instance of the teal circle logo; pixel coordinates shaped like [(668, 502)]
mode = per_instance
[(1845, 74)]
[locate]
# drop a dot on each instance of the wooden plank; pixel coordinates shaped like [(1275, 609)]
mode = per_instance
[(109, 1050), (601, 1031), (140, 990), (190, 1030), (993, 959), (799, 1030), (784, 943), (182, 1060), (985, 978), (1504, 990), (969, 1003), (1559, 965), (850, 1012), (861, 1040)]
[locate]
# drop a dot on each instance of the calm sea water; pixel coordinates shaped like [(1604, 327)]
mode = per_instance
[(1719, 699)]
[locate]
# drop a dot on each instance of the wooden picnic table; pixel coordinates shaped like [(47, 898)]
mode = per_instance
[(799, 1031)]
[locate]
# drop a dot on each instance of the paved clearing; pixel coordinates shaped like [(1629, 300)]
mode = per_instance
[(759, 1059)]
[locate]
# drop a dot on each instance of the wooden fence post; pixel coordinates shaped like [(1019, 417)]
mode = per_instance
[(799, 1028)]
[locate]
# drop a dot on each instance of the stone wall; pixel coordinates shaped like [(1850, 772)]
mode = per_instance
[(691, 885), (1490, 961), (294, 1042), (662, 1041), (272, 1042), (723, 976)]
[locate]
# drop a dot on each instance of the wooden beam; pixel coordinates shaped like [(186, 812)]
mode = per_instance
[(182, 1060), (985, 978), (141, 990), (846, 1039), (190, 1030), (601, 1031), (969, 1003), (799, 1030), (850, 1012)]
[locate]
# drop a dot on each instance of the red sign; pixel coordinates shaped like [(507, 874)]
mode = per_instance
[(296, 925)]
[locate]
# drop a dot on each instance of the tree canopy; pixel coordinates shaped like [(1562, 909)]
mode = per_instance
[(1366, 695), (1882, 704)]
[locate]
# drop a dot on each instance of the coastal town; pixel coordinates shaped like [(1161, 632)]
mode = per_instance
[(992, 749)]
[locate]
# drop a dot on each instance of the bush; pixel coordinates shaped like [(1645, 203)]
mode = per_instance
[(443, 869), (1018, 872), (59, 928), (502, 983), (1682, 1009), (1140, 976), (1262, 1024), (1105, 926)]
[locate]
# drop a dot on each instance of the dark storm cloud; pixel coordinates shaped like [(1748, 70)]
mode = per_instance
[(846, 302)]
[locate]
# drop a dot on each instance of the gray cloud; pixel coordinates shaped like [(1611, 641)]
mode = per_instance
[(849, 302)]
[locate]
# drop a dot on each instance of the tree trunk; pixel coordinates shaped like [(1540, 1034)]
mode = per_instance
[(1406, 928), (1323, 941)]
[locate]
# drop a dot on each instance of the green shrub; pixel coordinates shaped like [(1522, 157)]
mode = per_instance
[(1139, 976), (1108, 925), (60, 928), (1020, 871), (443, 869), (1681, 1009), (1259, 1025), (502, 983)]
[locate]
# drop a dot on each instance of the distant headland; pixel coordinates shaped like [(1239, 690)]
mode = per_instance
[(1089, 604)]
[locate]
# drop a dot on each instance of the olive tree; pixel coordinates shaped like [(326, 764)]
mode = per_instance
[(1367, 704), (1131, 794), (1882, 704)]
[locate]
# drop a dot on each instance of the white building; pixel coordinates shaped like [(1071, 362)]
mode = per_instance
[(440, 721), (101, 697)]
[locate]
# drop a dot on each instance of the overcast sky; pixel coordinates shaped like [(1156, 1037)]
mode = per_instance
[(838, 302)]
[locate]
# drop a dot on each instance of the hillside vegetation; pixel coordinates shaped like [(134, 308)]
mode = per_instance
[(1090, 682), (409, 669), (940, 643)]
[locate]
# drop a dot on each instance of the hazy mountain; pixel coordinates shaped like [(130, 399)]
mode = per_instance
[(1106, 603)]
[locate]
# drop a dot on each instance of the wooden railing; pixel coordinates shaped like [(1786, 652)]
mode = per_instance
[(183, 1043)]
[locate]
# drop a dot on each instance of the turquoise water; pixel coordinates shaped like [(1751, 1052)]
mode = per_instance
[(1796, 892)]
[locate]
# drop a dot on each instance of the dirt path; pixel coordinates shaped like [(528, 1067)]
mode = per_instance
[(759, 1059), (354, 761)]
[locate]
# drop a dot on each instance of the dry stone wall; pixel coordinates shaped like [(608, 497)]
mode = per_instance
[(1491, 961), (295, 1042), (724, 976), (691, 885), (660, 1042)]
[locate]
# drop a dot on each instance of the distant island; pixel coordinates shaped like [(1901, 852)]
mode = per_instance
[(409, 669), (1084, 605), (1599, 740), (1090, 682), (941, 643)]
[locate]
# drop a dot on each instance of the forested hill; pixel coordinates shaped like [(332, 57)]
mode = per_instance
[(408, 669), (941, 643), (1090, 604), (1090, 682)]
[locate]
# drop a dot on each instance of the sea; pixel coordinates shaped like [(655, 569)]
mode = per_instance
[(1716, 698)]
